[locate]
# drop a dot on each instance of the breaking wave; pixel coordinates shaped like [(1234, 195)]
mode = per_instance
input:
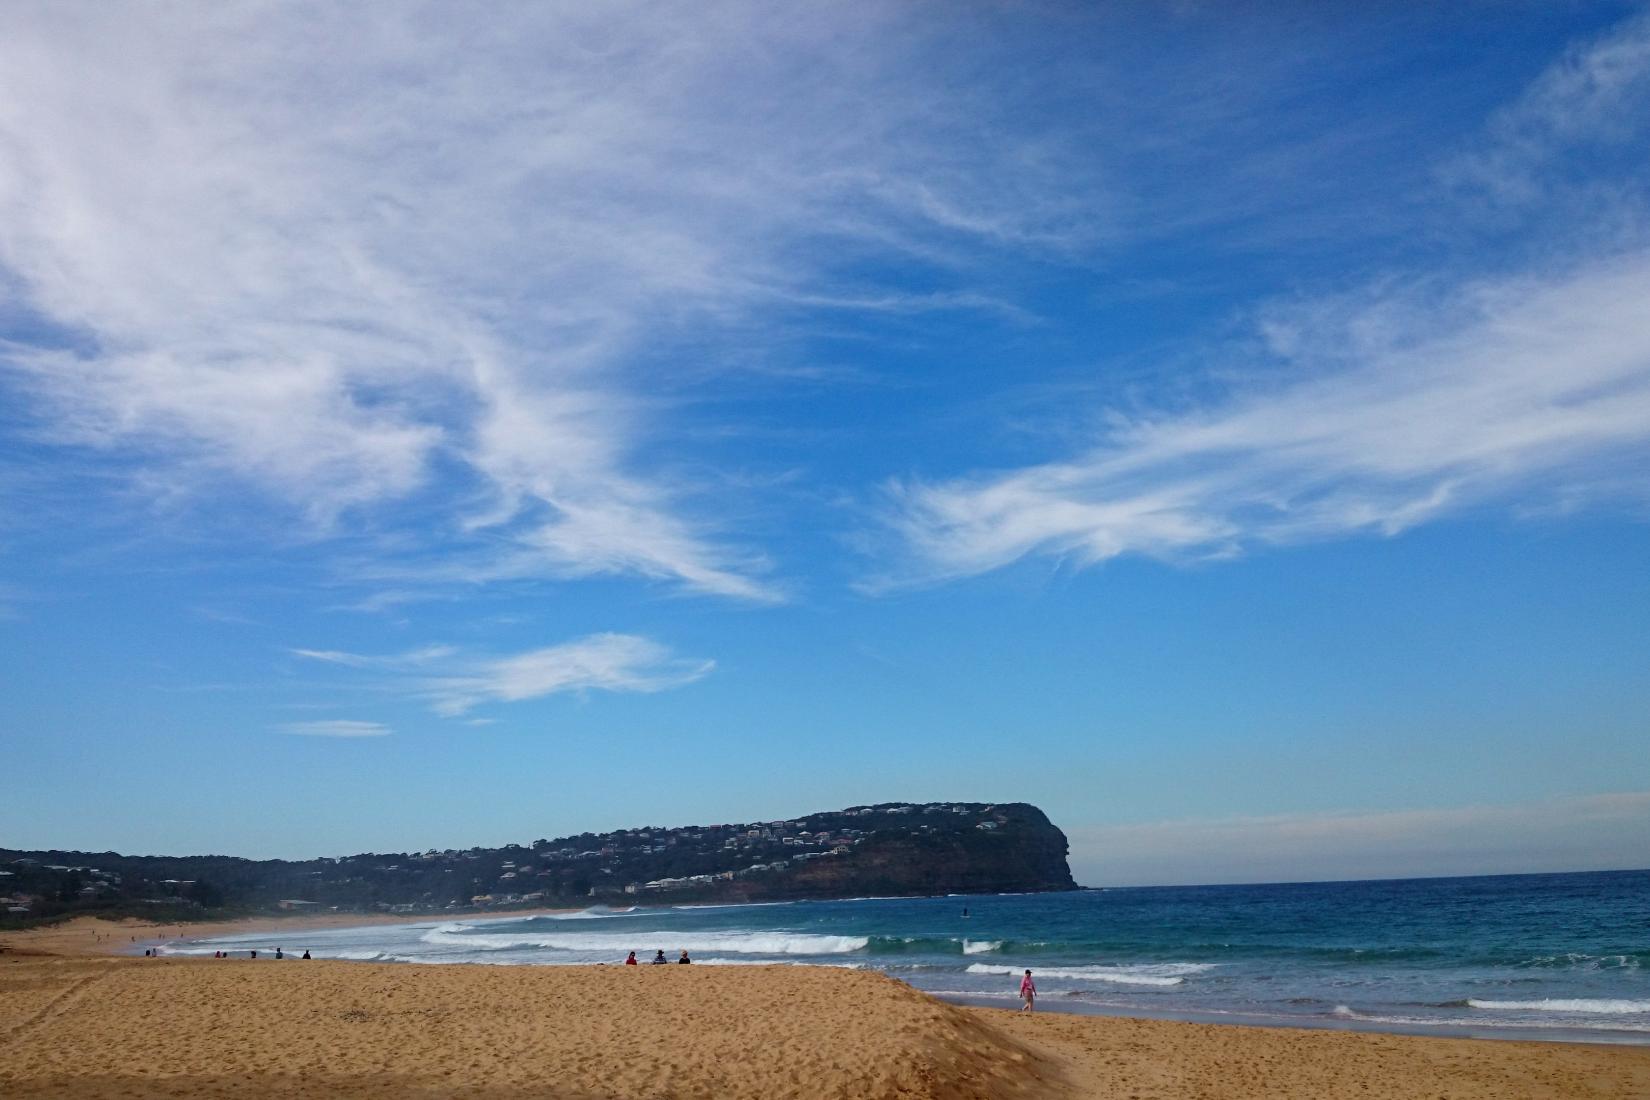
[(1145, 974), (595, 912), (1595, 1006), (739, 943)]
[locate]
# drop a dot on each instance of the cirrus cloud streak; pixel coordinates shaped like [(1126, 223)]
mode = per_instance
[(453, 683), (428, 292), (335, 727), (1399, 411)]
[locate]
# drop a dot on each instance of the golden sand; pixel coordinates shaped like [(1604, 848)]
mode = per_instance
[(82, 1028), (85, 1027)]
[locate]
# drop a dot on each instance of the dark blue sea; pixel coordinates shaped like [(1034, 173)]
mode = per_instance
[(1545, 956)]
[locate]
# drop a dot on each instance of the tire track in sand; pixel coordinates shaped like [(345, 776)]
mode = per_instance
[(41, 1014)]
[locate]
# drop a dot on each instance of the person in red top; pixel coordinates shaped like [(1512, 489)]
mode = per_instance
[(1028, 992), (631, 960)]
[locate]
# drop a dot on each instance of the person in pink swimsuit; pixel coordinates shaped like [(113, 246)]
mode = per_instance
[(1028, 992)]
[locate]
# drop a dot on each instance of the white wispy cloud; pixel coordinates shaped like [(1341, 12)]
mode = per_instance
[(335, 727), (334, 254), (414, 658), (1575, 833), (1594, 94), (453, 683), (600, 662), (1369, 413), (1510, 386)]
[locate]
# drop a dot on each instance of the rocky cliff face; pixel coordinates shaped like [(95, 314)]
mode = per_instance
[(1020, 850)]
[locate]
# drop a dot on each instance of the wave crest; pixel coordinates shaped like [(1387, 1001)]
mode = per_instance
[(739, 943), (1597, 1006), (1144, 974)]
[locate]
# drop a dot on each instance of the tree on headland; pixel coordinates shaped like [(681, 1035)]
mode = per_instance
[(206, 894)]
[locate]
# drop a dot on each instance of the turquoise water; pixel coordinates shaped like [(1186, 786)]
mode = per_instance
[(1551, 956)]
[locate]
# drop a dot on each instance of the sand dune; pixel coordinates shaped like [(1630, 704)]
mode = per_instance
[(83, 1027)]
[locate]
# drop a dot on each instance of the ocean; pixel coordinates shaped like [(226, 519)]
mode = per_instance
[(1520, 956)]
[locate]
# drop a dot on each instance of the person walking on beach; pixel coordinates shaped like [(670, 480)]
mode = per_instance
[(1028, 993)]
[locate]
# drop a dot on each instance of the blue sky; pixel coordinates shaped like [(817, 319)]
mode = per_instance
[(1226, 427)]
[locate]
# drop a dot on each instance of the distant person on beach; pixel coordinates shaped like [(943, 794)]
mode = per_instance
[(660, 957), (630, 959), (684, 958), (278, 954), (306, 952), (254, 954), (1028, 992)]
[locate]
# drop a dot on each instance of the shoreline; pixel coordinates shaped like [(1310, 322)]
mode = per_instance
[(84, 1027), (97, 937), (1568, 1036), (86, 935)]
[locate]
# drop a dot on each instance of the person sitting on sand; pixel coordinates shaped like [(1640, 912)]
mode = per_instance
[(630, 959), (660, 959), (306, 952), (684, 958), (1028, 992), (279, 954)]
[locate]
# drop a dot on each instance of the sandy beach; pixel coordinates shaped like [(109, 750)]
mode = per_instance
[(80, 1026)]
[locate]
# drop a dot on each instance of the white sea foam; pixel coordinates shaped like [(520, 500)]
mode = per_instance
[(981, 947), (739, 943), (1503, 1023), (743, 962), (1600, 1006), (197, 950), (778, 962), (1576, 961), (1144, 974)]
